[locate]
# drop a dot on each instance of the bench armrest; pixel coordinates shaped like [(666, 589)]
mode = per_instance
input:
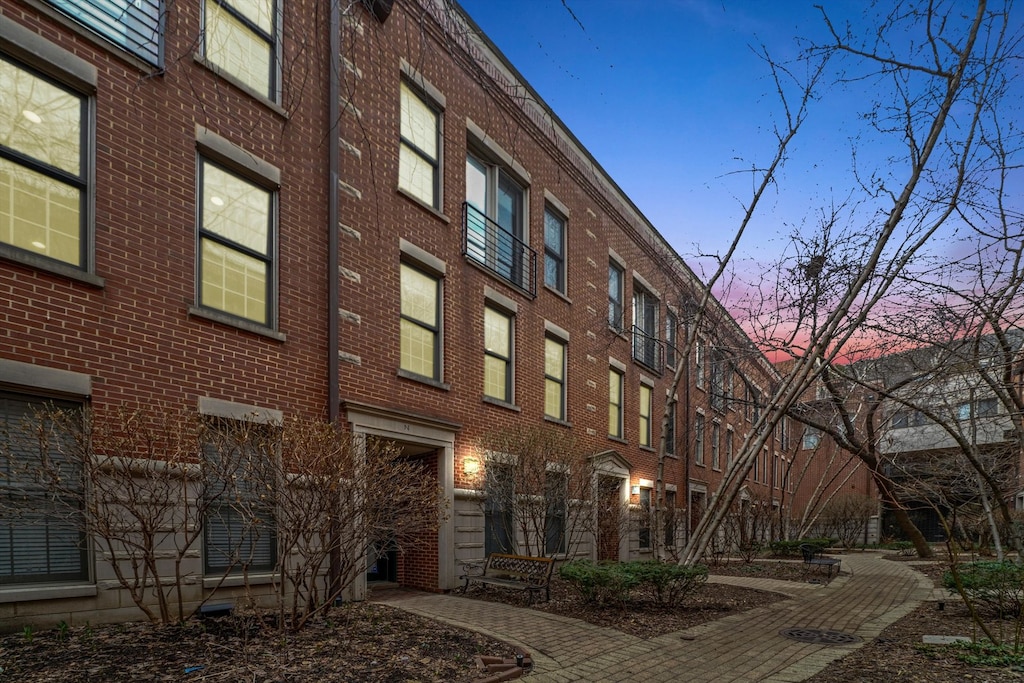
[(472, 569)]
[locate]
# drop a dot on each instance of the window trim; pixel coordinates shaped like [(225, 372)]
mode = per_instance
[(618, 402), (645, 426), (437, 328), (699, 436), (560, 381)]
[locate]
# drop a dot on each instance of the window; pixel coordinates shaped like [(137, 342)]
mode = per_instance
[(645, 328), (776, 474), (239, 532), (615, 295), (133, 25), (903, 419), (554, 251), (239, 38), (44, 171), (987, 407), (718, 372), (764, 465), (698, 439), (556, 498), (730, 446), (812, 438), (41, 537), (698, 351), (716, 437), (495, 220), (419, 147), (670, 519), (420, 323), (614, 403), (671, 323), (497, 355), (499, 531), (670, 428), (554, 378), (784, 425), (236, 234), (645, 414), (644, 526)]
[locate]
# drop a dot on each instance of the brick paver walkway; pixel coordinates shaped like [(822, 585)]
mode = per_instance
[(871, 594)]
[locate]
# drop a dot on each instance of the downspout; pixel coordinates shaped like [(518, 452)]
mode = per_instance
[(333, 296)]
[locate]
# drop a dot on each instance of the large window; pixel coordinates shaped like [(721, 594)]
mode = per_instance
[(645, 414), (554, 378), (420, 323), (239, 38), (645, 328), (554, 250), (719, 370), (495, 221), (236, 238), (556, 500), (615, 295), (614, 403), (239, 534), (133, 25), (419, 147), (644, 513), (41, 537), (497, 354), (43, 166)]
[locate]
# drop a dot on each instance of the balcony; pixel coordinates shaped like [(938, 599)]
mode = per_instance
[(648, 350), (497, 250)]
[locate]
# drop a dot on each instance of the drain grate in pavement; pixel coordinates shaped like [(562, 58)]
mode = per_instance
[(819, 636)]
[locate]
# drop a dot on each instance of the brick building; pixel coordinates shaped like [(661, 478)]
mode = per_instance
[(271, 208)]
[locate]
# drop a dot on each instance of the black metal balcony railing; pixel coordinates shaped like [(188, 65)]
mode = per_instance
[(648, 350), (135, 25), (499, 251)]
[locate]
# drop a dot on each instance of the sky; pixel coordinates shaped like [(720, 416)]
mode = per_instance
[(673, 100)]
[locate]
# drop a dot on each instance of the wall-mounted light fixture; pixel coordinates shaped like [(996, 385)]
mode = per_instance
[(471, 465)]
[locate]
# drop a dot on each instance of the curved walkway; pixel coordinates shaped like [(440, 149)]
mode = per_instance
[(869, 595)]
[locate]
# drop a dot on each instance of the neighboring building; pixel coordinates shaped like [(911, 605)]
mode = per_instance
[(201, 208)]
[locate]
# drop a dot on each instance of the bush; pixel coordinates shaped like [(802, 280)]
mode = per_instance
[(608, 582), (999, 585)]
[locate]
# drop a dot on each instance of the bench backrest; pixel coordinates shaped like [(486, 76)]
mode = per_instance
[(809, 551), (520, 567)]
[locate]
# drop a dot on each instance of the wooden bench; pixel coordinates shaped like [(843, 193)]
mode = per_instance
[(813, 558), (515, 572)]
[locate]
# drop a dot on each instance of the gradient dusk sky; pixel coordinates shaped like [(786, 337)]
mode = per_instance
[(672, 100)]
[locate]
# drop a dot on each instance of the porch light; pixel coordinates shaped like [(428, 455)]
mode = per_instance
[(471, 465)]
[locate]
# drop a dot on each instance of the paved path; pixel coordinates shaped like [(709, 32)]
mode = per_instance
[(870, 594)]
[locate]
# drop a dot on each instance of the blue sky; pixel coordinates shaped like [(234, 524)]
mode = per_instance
[(671, 99)]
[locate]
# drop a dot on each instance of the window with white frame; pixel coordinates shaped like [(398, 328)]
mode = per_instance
[(236, 244), (419, 148), (420, 322), (646, 394), (615, 406), (698, 439), (554, 250), (554, 378), (240, 39), (133, 25), (41, 537), (498, 327), (44, 166), (616, 284)]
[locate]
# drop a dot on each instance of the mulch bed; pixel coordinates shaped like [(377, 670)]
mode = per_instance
[(375, 643)]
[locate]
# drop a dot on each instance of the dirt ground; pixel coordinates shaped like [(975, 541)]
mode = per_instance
[(378, 644)]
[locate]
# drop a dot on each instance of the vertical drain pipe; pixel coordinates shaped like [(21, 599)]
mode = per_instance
[(333, 296)]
